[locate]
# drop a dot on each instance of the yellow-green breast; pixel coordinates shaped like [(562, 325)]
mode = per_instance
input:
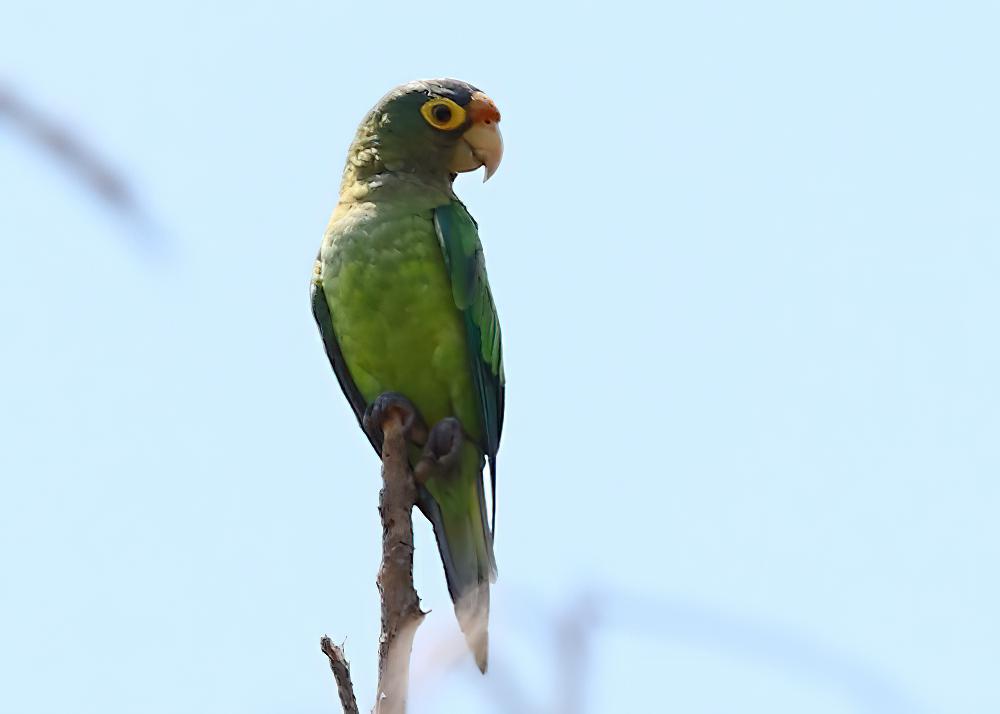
[(393, 313)]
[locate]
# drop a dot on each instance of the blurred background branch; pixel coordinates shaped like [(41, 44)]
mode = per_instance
[(57, 140), (575, 632)]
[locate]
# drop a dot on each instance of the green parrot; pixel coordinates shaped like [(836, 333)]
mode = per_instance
[(402, 301)]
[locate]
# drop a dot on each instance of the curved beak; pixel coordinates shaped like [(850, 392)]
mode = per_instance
[(481, 144)]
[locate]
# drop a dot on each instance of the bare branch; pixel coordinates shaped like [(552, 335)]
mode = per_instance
[(342, 673), (401, 613)]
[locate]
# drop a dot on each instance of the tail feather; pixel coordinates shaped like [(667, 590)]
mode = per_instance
[(473, 612), (456, 507)]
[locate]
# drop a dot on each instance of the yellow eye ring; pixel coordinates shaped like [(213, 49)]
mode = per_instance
[(443, 114)]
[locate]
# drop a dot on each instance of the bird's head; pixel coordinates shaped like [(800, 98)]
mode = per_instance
[(437, 127)]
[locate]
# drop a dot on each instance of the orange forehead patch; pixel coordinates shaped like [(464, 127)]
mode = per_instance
[(482, 109)]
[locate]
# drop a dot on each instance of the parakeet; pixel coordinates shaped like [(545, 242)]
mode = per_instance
[(402, 301)]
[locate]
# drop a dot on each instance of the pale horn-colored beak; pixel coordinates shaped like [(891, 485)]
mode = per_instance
[(481, 144)]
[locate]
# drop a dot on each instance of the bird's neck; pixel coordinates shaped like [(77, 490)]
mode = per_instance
[(371, 176), (379, 165)]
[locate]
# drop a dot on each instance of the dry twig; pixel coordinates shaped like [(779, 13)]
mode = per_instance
[(342, 673)]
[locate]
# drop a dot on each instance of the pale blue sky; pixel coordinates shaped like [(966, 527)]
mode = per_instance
[(746, 259)]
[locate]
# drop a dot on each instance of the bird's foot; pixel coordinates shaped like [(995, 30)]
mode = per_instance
[(441, 452), (393, 405)]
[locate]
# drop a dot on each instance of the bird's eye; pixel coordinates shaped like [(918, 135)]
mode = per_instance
[(443, 114)]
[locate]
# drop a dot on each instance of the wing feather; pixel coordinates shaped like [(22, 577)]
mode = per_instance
[(463, 255)]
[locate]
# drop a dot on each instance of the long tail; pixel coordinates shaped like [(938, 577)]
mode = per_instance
[(456, 506)]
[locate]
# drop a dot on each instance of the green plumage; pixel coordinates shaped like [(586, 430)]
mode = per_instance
[(402, 300)]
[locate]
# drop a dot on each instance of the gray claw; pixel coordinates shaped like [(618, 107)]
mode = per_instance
[(442, 450), (387, 404)]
